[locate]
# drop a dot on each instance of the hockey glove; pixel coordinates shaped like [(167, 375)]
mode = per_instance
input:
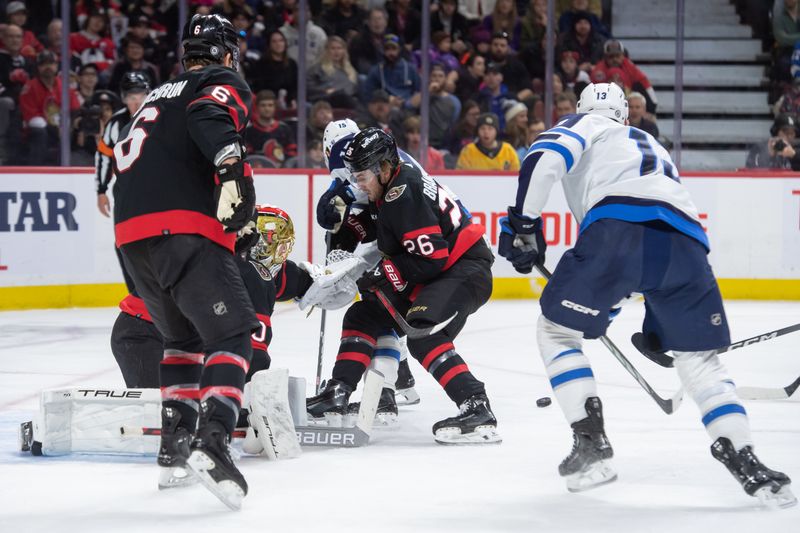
[(522, 241), (248, 236), (385, 275), (235, 195), (334, 206)]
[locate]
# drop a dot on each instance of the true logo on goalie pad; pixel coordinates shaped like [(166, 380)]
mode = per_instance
[(92, 393)]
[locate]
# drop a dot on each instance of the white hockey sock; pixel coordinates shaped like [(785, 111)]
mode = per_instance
[(386, 358), (708, 383), (568, 369)]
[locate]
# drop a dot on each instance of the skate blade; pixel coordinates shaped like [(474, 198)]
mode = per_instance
[(228, 492), (174, 477), (595, 475), (481, 435), (783, 499), (386, 420), (407, 396)]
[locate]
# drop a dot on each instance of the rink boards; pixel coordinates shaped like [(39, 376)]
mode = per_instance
[(56, 249)]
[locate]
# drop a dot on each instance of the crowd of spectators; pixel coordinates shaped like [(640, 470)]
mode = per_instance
[(363, 60)]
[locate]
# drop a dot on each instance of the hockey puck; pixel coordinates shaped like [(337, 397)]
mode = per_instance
[(544, 401)]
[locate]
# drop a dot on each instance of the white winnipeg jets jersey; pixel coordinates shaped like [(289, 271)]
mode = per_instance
[(608, 170)]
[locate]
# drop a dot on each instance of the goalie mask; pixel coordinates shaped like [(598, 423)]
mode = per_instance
[(277, 236)]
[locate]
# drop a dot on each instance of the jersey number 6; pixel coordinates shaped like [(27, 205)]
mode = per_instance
[(134, 140)]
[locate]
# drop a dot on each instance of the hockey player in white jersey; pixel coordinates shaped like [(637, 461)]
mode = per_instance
[(337, 212), (639, 232)]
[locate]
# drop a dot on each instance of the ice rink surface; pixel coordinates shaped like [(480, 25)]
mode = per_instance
[(403, 481)]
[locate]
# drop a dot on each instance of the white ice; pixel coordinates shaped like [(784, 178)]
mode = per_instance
[(403, 481)]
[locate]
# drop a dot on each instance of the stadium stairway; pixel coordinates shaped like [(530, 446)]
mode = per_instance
[(725, 106)]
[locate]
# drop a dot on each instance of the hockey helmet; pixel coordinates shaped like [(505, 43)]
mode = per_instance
[(134, 82), (368, 149), (784, 120), (333, 132), (277, 236), (606, 99), (210, 37)]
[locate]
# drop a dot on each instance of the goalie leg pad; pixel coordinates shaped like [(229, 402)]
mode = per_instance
[(270, 414)]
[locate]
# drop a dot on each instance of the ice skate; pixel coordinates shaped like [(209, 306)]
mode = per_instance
[(405, 394), (385, 416), (211, 462), (329, 407), (770, 487), (475, 424), (588, 465), (173, 452)]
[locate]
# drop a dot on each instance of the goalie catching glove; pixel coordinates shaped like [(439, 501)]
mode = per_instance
[(235, 195), (334, 285)]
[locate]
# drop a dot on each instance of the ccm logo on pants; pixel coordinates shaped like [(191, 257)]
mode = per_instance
[(579, 308)]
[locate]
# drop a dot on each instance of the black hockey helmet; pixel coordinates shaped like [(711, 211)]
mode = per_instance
[(210, 37), (368, 149), (134, 82), (784, 120)]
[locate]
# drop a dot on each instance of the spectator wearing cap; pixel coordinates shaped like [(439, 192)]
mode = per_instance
[(334, 79), (574, 78), (516, 76), (470, 77), (466, 128), (276, 71), (157, 19), (504, 19), (139, 27), (132, 60), (344, 19), (449, 20), (636, 114), (366, 48), (315, 38), (488, 153), (516, 131), (565, 21), (444, 107), (413, 145), (394, 75), (494, 93), (632, 78), (582, 38), (87, 128), (40, 102), (779, 151), (17, 14), (380, 114), (87, 82), (267, 136), (404, 21), (475, 10), (92, 44)]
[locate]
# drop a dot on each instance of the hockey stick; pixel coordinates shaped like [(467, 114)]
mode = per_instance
[(665, 360), (764, 393), (411, 332), (668, 405), (323, 315)]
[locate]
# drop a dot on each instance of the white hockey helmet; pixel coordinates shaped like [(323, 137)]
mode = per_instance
[(606, 99), (334, 131)]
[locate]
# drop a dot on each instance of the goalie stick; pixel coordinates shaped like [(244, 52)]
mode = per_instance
[(411, 332), (668, 405), (666, 360)]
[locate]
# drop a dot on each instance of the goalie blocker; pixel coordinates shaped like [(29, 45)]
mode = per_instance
[(125, 421)]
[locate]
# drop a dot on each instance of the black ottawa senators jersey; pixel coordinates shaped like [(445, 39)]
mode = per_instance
[(164, 157), (422, 227)]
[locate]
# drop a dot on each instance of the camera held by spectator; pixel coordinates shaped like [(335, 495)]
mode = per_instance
[(779, 151)]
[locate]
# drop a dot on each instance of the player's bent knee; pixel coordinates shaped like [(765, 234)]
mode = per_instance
[(554, 338), (238, 344)]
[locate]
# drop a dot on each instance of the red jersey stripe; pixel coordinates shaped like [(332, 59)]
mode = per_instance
[(427, 230), (173, 222)]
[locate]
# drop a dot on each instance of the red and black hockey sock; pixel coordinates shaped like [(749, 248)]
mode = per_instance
[(179, 374), (222, 385), (355, 353), (439, 357)]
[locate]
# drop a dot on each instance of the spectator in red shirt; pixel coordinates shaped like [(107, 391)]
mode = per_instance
[(91, 44), (16, 13), (40, 102), (633, 78)]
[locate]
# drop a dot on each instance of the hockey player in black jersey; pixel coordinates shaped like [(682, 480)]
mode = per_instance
[(182, 193), (436, 264), (134, 88)]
